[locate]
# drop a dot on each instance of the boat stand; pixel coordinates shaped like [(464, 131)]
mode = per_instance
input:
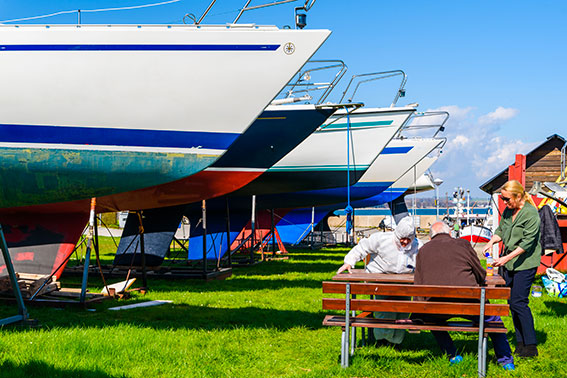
[(22, 311)]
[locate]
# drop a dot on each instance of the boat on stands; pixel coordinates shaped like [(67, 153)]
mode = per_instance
[(319, 161), (92, 111), (402, 156)]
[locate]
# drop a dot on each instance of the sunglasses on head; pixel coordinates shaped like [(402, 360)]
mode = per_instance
[(505, 199)]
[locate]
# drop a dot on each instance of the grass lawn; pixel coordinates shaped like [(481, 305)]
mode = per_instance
[(263, 321)]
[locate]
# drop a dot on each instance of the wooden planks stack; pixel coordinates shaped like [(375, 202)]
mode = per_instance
[(29, 284)]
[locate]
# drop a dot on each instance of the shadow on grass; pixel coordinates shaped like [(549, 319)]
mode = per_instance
[(555, 308), (238, 283), (41, 369), (179, 316), (425, 341), (270, 268)]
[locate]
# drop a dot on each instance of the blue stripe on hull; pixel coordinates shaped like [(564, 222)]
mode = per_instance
[(386, 196), (395, 150), (319, 197), (129, 47), (296, 225), (38, 176), (114, 136)]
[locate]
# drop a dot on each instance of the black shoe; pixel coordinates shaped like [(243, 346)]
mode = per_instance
[(519, 348), (529, 351)]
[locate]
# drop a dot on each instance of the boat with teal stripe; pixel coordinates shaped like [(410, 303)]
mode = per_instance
[(320, 161), (96, 110)]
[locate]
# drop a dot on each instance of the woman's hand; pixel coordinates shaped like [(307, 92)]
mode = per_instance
[(501, 261), (488, 247), (344, 267)]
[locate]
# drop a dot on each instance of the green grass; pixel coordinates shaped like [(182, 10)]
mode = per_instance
[(263, 321)]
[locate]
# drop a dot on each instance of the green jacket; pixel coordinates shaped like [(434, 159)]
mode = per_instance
[(523, 232)]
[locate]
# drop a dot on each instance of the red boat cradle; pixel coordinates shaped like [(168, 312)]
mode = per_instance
[(262, 233)]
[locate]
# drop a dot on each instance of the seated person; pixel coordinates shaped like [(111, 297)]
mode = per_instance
[(390, 252), (447, 261)]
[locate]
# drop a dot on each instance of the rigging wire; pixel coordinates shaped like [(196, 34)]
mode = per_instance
[(91, 11), (348, 209)]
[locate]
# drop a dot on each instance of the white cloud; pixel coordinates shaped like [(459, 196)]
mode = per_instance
[(475, 151), (499, 115), (461, 140)]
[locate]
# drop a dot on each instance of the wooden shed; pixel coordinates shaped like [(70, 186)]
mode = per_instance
[(541, 164)]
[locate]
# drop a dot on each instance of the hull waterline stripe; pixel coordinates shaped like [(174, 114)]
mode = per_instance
[(115, 137), (335, 126), (95, 47)]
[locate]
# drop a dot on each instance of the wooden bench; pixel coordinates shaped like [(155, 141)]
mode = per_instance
[(351, 304)]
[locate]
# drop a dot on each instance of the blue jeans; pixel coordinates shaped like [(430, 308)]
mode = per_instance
[(520, 283)]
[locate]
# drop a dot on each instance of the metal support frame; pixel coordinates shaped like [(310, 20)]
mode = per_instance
[(22, 311), (312, 227), (482, 342), (273, 231), (204, 223), (228, 245), (253, 228), (92, 226), (142, 251), (87, 263)]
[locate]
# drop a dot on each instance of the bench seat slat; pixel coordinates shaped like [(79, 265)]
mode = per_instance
[(490, 327), (416, 290), (417, 307)]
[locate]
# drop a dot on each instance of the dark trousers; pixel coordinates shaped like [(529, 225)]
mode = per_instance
[(499, 341), (520, 283)]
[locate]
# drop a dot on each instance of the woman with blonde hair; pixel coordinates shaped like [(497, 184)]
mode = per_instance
[(519, 260)]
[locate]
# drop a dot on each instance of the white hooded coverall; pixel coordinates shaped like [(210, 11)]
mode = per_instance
[(388, 256)]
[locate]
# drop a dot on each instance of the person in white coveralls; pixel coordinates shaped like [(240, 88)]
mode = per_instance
[(390, 252)]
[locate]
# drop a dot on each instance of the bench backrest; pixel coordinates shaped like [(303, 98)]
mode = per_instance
[(450, 306)]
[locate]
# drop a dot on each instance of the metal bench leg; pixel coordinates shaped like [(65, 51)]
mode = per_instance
[(481, 337), (344, 349), (484, 354), (353, 332), (347, 325), (352, 340)]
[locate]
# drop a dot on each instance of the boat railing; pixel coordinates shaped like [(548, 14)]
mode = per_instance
[(300, 18), (303, 86), (434, 120), (374, 76)]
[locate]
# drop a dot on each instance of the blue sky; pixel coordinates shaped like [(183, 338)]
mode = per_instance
[(497, 66)]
